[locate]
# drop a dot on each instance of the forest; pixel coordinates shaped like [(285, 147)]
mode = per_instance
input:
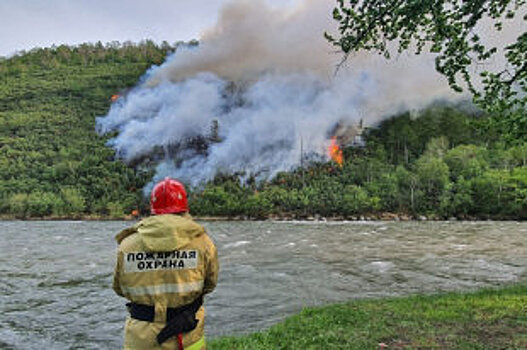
[(447, 161), (52, 161), (442, 164)]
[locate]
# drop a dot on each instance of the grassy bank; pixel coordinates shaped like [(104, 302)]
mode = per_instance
[(487, 319)]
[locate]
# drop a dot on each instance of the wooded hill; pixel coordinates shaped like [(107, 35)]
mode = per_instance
[(442, 162), (51, 159)]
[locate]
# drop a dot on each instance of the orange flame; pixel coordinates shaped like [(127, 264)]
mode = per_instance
[(115, 97), (335, 152)]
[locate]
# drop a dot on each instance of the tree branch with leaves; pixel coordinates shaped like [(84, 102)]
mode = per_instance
[(447, 28)]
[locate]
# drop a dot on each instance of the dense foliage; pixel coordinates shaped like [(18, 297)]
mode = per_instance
[(444, 162), (52, 162)]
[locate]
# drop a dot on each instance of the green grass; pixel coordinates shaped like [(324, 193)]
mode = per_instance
[(487, 319)]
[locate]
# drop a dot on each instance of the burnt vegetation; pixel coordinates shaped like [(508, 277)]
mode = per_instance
[(441, 162)]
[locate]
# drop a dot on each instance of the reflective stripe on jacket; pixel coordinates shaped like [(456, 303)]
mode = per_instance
[(165, 261)]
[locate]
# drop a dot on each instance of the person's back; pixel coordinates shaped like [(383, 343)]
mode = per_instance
[(165, 264)]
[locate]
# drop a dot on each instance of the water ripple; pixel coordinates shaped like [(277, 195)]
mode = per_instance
[(57, 294)]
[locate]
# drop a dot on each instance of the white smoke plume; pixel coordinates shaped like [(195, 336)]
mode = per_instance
[(267, 77)]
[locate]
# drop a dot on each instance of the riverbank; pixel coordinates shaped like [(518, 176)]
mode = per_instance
[(69, 218), (486, 319), (384, 216)]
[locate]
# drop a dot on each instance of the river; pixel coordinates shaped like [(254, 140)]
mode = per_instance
[(55, 290)]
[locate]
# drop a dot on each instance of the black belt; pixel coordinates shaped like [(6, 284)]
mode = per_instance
[(179, 320)]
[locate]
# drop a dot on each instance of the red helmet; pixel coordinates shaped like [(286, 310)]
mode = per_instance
[(168, 197)]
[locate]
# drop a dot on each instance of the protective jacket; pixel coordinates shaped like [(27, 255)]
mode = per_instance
[(165, 261)]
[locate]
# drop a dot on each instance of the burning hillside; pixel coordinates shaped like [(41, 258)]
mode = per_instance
[(265, 78)]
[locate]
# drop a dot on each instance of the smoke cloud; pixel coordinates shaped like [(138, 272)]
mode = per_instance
[(266, 78)]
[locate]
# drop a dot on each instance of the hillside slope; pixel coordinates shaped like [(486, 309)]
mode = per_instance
[(440, 162), (51, 159)]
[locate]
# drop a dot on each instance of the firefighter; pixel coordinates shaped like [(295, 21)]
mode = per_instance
[(166, 263)]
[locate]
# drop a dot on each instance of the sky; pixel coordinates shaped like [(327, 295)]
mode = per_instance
[(26, 24)]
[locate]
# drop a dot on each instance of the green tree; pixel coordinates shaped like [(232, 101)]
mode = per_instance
[(42, 204), (216, 200), (466, 160), (74, 202), (519, 154), (500, 157), (18, 205), (256, 206), (409, 191), (498, 193), (386, 190), (437, 147), (356, 200), (433, 177), (459, 200)]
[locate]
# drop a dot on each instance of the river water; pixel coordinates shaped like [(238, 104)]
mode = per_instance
[(55, 277)]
